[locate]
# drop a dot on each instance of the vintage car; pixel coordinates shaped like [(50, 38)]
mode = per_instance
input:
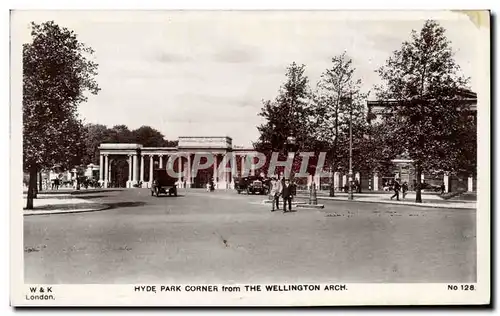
[(252, 185), (163, 183)]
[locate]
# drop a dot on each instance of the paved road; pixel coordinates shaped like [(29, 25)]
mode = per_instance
[(223, 237)]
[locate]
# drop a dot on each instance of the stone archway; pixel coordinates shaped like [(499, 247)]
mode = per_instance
[(119, 173)]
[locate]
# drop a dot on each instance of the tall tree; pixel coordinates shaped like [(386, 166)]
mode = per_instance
[(120, 134), (424, 93), (57, 72), (149, 137), (288, 115), (94, 135), (338, 94)]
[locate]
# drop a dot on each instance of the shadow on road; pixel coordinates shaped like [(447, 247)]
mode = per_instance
[(89, 197), (168, 196), (124, 204), (91, 191)]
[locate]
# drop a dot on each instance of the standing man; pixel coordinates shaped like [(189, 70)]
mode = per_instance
[(275, 193), (397, 187), (405, 189), (288, 191)]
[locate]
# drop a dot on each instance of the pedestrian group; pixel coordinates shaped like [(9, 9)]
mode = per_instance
[(282, 188)]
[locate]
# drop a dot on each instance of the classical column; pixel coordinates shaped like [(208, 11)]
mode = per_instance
[(129, 181), (470, 184), (141, 179), (252, 166), (335, 180), (216, 182), (151, 168), (242, 165), (179, 171), (234, 167), (134, 179), (106, 172), (344, 180), (188, 180), (375, 181), (317, 181), (446, 180), (222, 173), (101, 168), (161, 162)]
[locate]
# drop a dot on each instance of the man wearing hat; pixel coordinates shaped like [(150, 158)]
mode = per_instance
[(288, 191), (275, 193)]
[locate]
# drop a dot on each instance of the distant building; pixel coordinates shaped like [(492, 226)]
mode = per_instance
[(403, 165), (132, 165)]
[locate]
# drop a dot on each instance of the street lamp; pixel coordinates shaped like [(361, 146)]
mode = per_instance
[(290, 146)]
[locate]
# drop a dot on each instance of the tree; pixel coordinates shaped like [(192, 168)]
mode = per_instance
[(57, 72), (119, 134), (337, 95), (149, 137), (94, 135), (288, 115), (424, 95)]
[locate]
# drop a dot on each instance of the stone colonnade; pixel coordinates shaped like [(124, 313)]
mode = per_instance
[(136, 169)]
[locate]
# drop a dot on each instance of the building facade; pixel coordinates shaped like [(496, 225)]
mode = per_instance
[(141, 161), (403, 166)]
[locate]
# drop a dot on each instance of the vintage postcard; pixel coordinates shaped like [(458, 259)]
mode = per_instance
[(250, 158)]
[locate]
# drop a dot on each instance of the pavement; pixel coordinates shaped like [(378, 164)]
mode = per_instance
[(60, 202), (428, 200), (223, 237)]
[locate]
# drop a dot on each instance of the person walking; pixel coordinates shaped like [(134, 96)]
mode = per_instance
[(397, 187), (275, 193), (404, 189), (288, 191), (443, 188)]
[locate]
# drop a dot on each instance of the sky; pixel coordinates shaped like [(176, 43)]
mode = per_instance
[(194, 73)]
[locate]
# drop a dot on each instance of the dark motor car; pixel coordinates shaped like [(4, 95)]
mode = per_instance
[(163, 183), (252, 185)]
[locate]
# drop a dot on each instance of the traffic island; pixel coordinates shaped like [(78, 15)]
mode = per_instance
[(313, 199), (311, 206), (294, 203)]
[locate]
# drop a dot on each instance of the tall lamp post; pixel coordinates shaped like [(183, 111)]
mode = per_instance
[(290, 147)]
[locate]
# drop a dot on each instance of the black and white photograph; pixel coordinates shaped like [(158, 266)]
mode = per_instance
[(306, 158)]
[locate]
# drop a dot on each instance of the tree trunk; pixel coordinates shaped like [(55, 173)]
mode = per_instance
[(418, 189), (332, 180), (32, 186)]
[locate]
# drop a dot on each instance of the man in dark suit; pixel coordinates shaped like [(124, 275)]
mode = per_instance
[(288, 191), (397, 187)]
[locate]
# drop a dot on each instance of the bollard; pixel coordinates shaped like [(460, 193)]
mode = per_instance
[(314, 199)]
